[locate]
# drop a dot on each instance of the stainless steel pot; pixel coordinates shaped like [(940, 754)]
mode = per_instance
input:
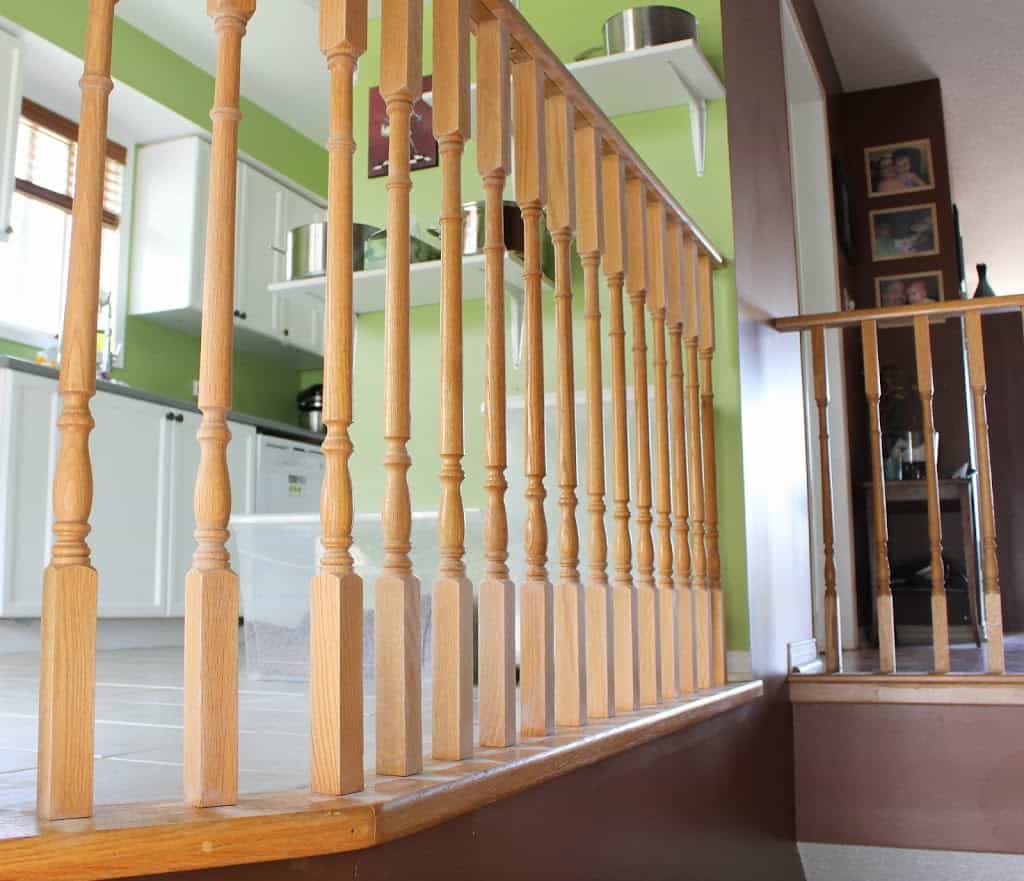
[(645, 26), (474, 228), (307, 249)]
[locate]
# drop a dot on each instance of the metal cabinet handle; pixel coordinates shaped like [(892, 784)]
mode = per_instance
[(169, 417), (277, 250), (244, 316), (286, 331), (179, 418)]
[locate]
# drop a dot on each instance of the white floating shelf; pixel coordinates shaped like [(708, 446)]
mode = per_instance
[(650, 79), (424, 284), (653, 78)]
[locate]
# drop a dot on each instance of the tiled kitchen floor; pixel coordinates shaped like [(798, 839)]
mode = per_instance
[(139, 729)]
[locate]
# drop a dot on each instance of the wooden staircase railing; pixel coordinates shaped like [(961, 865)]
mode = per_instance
[(591, 645), (921, 316)]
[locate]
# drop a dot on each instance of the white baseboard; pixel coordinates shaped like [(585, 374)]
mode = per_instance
[(739, 667), (22, 635), (838, 862)]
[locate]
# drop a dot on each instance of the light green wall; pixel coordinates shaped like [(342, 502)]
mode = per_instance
[(663, 139), (157, 358)]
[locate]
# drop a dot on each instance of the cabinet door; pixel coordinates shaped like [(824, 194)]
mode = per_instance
[(260, 261), (10, 111), (130, 459), (302, 322), (28, 416), (181, 486)]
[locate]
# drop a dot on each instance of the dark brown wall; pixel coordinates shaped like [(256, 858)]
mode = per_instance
[(709, 804), (946, 778)]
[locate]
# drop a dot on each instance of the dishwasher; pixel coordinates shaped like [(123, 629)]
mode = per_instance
[(288, 476)]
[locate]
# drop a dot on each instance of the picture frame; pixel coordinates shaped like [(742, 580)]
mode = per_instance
[(897, 169), (904, 233), (909, 289), (423, 149)]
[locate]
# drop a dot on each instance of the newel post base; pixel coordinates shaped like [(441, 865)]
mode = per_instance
[(67, 692), (336, 683), (211, 688)]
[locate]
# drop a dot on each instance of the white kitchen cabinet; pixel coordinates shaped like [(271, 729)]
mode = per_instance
[(181, 520), (10, 112), (302, 321), (28, 413), (130, 448), (169, 240)]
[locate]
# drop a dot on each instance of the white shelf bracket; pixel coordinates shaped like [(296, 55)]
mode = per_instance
[(698, 120)]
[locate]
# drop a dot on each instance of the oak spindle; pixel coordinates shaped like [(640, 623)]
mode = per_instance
[(570, 621), (691, 335), (336, 594), (883, 589), (211, 588), (537, 682), (926, 389), (67, 674), (680, 494), (987, 514), (647, 604), (833, 658), (397, 612), (707, 426), (656, 301), (497, 592), (598, 593), (452, 614), (624, 608)]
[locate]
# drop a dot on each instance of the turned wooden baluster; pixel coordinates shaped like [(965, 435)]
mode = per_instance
[(883, 589), (656, 301), (647, 601), (616, 252), (211, 587), (67, 673), (497, 601), (598, 594), (680, 495), (707, 427), (926, 389), (570, 621), (397, 612), (833, 655), (452, 613), (989, 560), (336, 594), (536, 616), (691, 335)]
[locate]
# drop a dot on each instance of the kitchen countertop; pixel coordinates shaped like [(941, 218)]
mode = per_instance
[(264, 426)]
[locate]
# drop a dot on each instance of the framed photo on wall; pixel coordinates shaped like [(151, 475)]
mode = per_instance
[(894, 169), (910, 289), (902, 233), (423, 151)]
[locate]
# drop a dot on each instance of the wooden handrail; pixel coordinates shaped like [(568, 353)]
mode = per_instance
[(527, 42), (944, 309)]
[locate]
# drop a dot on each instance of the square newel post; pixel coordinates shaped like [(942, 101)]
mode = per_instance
[(397, 593), (336, 592), (624, 604), (537, 664), (67, 674), (497, 591), (637, 282), (211, 588), (452, 598)]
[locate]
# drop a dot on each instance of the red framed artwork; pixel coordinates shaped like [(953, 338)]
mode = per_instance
[(422, 146)]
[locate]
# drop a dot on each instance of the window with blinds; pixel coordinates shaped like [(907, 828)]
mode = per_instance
[(46, 160), (34, 259)]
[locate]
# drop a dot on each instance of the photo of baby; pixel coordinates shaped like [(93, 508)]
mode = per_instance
[(909, 290), (899, 233), (899, 168)]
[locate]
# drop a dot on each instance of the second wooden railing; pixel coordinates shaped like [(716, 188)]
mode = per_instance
[(592, 645)]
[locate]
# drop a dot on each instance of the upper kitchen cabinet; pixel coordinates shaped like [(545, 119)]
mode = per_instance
[(169, 238), (10, 109)]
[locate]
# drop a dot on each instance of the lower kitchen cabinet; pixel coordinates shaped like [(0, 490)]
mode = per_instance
[(144, 459)]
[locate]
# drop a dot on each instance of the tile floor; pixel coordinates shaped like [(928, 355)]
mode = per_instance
[(138, 745)]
